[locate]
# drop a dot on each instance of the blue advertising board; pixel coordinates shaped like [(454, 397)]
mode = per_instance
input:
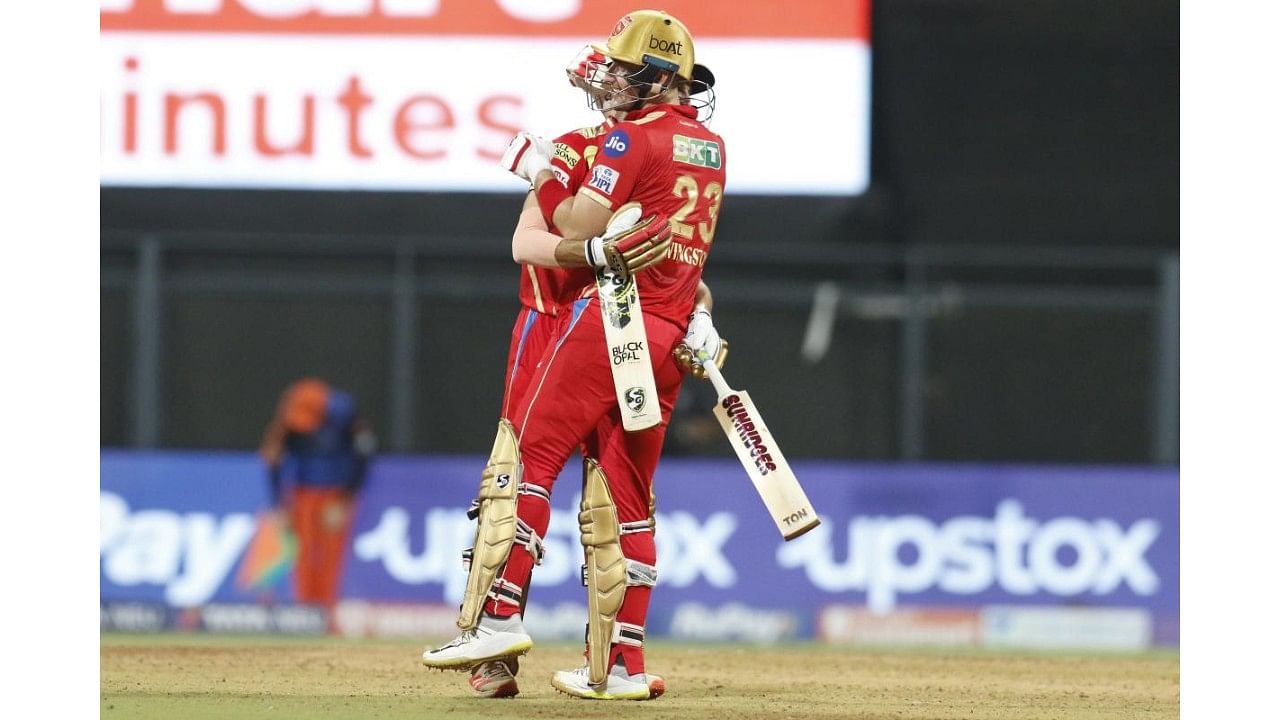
[(175, 527)]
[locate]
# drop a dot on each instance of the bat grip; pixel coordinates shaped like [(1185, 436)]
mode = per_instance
[(713, 374)]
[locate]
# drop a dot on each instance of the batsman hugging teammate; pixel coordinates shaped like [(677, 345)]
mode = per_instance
[(560, 392)]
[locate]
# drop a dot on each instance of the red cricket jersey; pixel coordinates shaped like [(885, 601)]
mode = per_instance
[(666, 160), (546, 289)]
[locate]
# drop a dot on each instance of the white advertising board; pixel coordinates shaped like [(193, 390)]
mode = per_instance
[(415, 95)]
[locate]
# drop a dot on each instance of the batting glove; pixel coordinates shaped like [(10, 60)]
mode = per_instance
[(527, 155), (702, 340), (629, 244), (701, 336)]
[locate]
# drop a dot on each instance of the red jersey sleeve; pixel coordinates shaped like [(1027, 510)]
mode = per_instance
[(569, 158), (618, 167)]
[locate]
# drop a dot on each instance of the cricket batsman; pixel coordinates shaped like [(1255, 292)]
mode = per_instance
[(663, 159)]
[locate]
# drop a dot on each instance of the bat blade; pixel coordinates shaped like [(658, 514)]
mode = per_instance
[(628, 347), (763, 460)]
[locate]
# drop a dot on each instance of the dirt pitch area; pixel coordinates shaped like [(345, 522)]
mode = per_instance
[(194, 676)]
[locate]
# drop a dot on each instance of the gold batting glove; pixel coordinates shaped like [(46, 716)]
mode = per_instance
[(688, 360)]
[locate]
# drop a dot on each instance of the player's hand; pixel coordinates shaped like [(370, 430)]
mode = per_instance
[(701, 337), (701, 342), (527, 155), (585, 68), (628, 249)]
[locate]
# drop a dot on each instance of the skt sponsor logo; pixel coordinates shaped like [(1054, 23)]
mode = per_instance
[(694, 151), (604, 179), (427, 549), (965, 555), (748, 435), (567, 155), (627, 352), (682, 253), (616, 144), (666, 46), (187, 556)]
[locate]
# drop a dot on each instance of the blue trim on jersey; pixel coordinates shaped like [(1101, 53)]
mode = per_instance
[(578, 307), (524, 335)]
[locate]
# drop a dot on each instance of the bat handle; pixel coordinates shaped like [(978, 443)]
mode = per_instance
[(713, 374)]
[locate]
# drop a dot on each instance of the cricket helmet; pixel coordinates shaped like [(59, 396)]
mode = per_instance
[(651, 38)]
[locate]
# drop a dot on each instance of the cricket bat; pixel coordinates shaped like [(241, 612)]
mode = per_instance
[(761, 457), (628, 345)]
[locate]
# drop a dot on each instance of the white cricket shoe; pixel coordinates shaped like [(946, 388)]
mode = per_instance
[(496, 678), (618, 685), (490, 640)]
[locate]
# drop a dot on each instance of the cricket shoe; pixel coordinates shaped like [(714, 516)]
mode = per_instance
[(492, 639), (496, 678), (618, 685)]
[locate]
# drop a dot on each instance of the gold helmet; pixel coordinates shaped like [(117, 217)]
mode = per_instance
[(652, 38)]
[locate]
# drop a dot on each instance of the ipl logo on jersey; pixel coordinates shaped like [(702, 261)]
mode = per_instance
[(604, 179)]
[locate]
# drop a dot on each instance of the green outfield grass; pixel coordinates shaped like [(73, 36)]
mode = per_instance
[(205, 676)]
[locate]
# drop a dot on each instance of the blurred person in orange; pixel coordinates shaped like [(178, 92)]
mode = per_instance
[(316, 449)]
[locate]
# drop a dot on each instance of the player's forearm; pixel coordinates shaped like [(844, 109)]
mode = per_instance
[(702, 298), (558, 204), (553, 199), (532, 243)]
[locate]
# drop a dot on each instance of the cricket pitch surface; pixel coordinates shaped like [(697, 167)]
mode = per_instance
[(209, 676)]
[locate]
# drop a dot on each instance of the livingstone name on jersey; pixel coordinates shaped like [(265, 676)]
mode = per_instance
[(966, 555), (682, 253), (693, 151)]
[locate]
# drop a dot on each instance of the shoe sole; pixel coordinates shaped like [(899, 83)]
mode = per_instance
[(466, 663), (505, 691), (645, 694)]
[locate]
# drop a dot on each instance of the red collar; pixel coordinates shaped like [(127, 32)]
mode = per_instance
[(688, 111)]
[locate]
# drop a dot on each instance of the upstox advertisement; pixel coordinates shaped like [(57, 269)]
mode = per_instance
[(425, 94), (1000, 553)]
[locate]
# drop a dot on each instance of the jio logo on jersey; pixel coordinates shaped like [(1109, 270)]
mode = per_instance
[(616, 144)]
